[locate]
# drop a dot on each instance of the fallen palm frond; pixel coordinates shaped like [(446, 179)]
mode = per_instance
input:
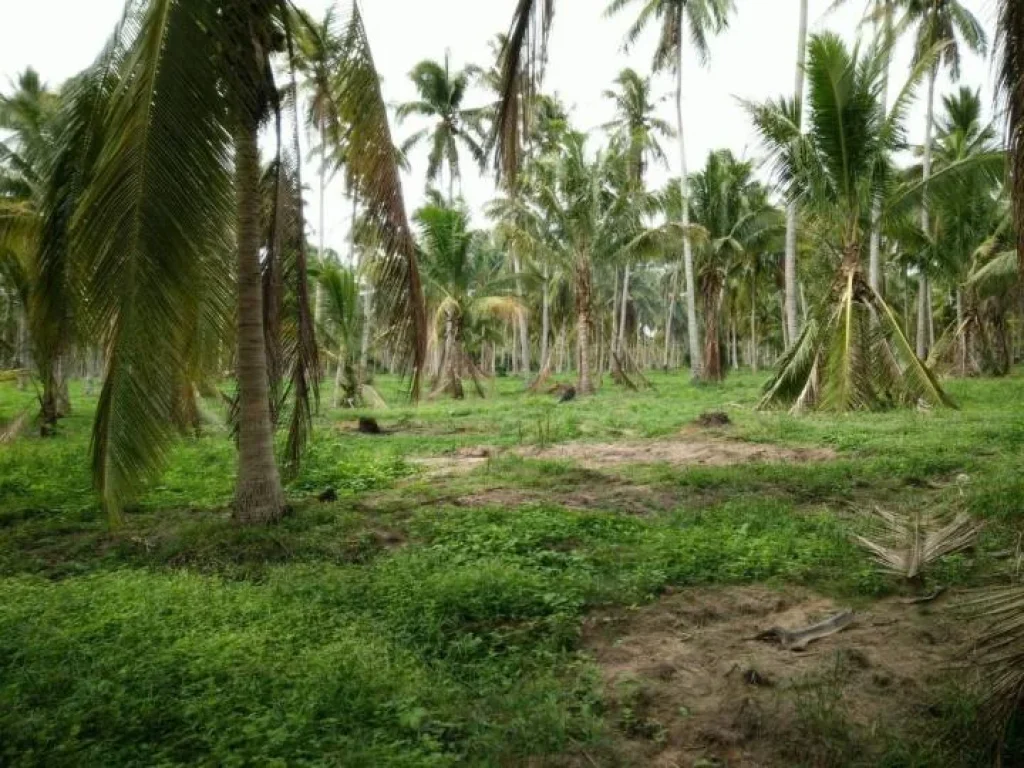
[(998, 651), (904, 544)]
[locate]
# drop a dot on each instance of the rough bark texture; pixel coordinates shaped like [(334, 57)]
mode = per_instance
[(259, 497)]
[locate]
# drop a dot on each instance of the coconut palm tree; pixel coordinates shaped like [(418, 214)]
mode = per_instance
[(318, 55), (342, 327), (946, 23), (881, 14), (463, 282), (734, 211), (178, 158), (42, 168), (581, 215), (681, 21), (441, 94), (838, 168), (638, 130)]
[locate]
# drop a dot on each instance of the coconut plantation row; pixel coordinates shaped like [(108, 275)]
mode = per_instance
[(626, 462)]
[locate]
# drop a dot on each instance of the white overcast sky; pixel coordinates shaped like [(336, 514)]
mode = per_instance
[(754, 59)]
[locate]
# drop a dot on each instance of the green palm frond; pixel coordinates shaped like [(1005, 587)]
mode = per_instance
[(375, 176), (157, 202), (522, 64)]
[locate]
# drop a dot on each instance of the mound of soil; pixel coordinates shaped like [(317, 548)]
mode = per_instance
[(687, 681), (713, 420)]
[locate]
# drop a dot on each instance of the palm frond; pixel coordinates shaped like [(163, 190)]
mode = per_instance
[(522, 66), (158, 199), (905, 544), (374, 171)]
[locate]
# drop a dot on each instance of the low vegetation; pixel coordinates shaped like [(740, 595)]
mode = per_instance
[(439, 618)]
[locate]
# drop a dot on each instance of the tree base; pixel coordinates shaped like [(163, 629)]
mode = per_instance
[(259, 502)]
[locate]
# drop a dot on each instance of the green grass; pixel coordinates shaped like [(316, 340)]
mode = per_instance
[(396, 627)]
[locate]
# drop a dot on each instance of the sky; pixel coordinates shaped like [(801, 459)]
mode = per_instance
[(754, 59)]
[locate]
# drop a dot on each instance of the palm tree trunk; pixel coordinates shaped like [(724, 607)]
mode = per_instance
[(452, 376), (259, 497), (615, 310), (753, 323), (692, 330), (924, 305), (668, 318), (318, 300), (961, 331), (922, 316), (339, 376), (545, 324), (585, 385), (622, 317), (524, 327), (875, 257), (792, 322)]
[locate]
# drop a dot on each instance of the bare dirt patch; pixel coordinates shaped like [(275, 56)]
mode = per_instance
[(688, 684), (697, 452), (682, 452)]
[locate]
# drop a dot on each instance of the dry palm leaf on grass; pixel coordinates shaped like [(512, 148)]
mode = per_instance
[(904, 544), (998, 650)]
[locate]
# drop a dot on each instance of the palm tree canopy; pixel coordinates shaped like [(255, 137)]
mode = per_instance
[(441, 96), (701, 18), (636, 124)]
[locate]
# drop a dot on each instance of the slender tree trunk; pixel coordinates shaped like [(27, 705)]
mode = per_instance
[(259, 497), (524, 327), (318, 296), (668, 317), (753, 323), (792, 322), (339, 376), (922, 316), (931, 319), (961, 331), (875, 257), (692, 330), (622, 317), (615, 310), (924, 305), (585, 385), (545, 324)]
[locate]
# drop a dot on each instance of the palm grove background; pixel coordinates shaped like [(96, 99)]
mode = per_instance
[(154, 236)]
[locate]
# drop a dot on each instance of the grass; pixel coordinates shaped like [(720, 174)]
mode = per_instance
[(396, 626)]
